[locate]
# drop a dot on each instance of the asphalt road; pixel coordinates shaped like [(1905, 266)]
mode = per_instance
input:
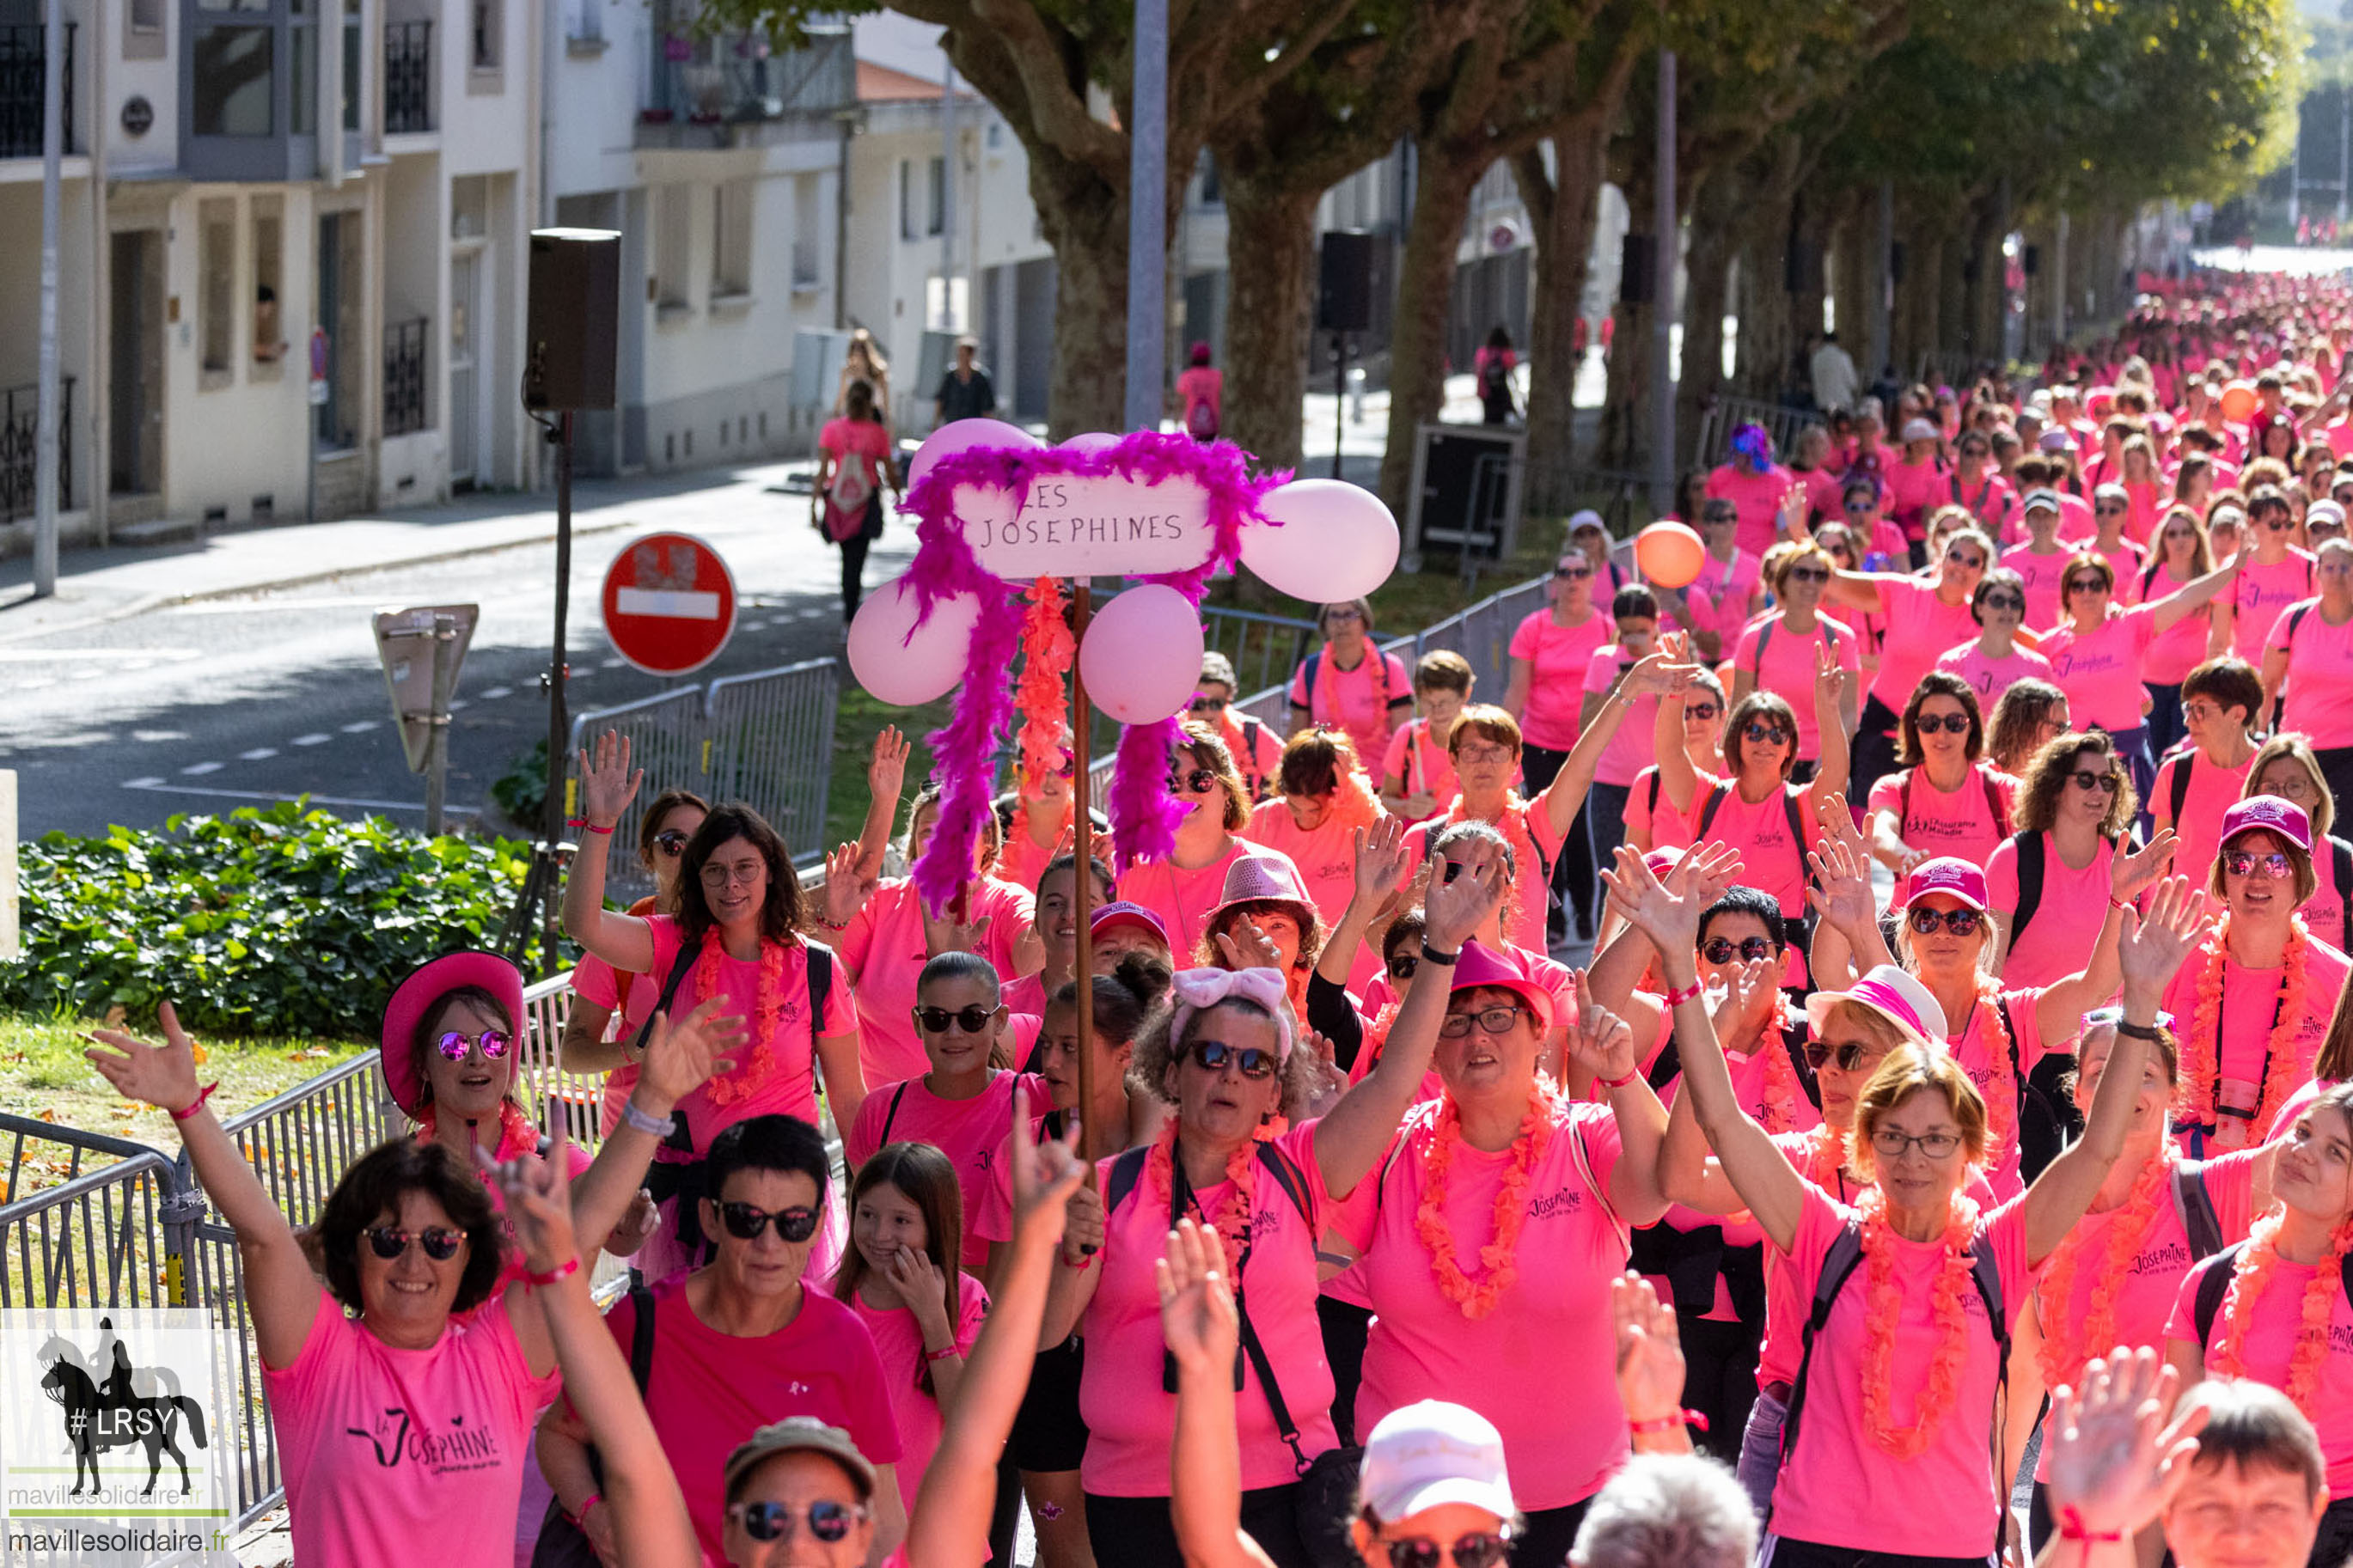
[(263, 697)]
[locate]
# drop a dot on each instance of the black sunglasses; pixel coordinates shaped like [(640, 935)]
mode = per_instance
[(2002, 602), (1249, 1060), (971, 1020), (1703, 712), (1761, 733), (1960, 922), (827, 1520), (454, 1044), (1573, 573), (745, 1223), (389, 1241), (671, 841), (1850, 1055), (1209, 705), (1809, 574), (1860, 507), (1404, 966), (1483, 1550), (2086, 586), (2087, 781), (1198, 781), (1720, 949), (1948, 723)]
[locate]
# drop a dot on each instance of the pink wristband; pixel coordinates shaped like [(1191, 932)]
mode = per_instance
[(198, 1103)]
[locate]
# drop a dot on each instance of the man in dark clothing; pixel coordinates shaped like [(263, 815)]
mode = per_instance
[(964, 392)]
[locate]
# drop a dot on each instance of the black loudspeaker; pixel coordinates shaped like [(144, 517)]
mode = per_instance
[(1802, 268), (2031, 262), (1895, 262), (1345, 282), (1638, 262), (572, 326)]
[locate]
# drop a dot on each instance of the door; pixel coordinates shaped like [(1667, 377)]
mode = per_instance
[(136, 364), (467, 439)]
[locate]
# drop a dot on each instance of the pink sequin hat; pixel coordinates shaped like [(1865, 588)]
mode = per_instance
[(1263, 879), (2268, 814), (1956, 879), (1893, 994), (415, 998), (1481, 965)]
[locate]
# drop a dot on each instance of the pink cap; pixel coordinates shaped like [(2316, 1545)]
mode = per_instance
[(1893, 994), (1481, 965), (1944, 875), (2269, 814), (1113, 916), (1661, 862)]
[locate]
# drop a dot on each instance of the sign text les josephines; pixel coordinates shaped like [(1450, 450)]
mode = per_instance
[(1083, 525)]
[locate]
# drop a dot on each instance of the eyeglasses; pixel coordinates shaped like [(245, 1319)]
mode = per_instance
[(1251, 1061), (1198, 781), (1209, 705), (1476, 1551), (1859, 506), (1850, 1054), (1405, 965), (1965, 561), (441, 1244), (2109, 511), (1342, 616), (1890, 1145), (745, 1223), (827, 1520), (2291, 787), (2002, 602), (1809, 574), (454, 1044), (1761, 733), (1490, 1021), (1704, 712), (1960, 922), (749, 873), (2246, 863), (2091, 783), (2086, 586), (1481, 755), (1948, 723), (1573, 574), (671, 843), (1720, 949), (2203, 713), (971, 1020)]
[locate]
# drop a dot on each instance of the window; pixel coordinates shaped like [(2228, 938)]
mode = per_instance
[(489, 21), (268, 324), (731, 239), (938, 218), (231, 73), (907, 199), (673, 244), (216, 277), (146, 16)]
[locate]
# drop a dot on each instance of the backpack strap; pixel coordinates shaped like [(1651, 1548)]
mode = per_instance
[(641, 1337), (1844, 1257), (1707, 811), (1126, 1171), (820, 984), (2194, 1203), (2295, 616), (1655, 803), (1584, 1171), (1251, 730), (891, 1113), (1294, 1183), (687, 953), (1994, 809), (2212, 1286), (2149, 578), (2177, 791), (1904, 800), (2030, 882), (1764, 637)]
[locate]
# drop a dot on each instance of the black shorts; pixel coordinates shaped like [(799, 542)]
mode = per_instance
[(1047, 1435)]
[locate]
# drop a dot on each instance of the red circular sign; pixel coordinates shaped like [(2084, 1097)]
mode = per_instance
[(670, 604)]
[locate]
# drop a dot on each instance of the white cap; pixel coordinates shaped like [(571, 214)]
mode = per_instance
[(1587, 518), (1428, 1453), (1918, 430)]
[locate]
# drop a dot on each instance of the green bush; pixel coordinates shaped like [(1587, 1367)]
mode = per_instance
[(521, 790), (270, 920)]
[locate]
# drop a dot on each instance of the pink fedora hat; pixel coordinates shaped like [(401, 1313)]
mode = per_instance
[(1263, 879), (1894, 995), (414, 999)]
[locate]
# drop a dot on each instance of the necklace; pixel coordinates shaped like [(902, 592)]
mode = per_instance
[(1942, 1385), (2001, 1105), (760, 1059), (2065, 1353), (1477, 1298), (2256, 1268), (2196, 1102)]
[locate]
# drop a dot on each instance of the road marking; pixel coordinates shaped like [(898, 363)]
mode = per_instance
[(59, 655), (258, 754), (159, 787), (495, 692), (459, 704), (359, 727), (611, 663), (151, 736), (197, 769), (812, 612), (311, 740)]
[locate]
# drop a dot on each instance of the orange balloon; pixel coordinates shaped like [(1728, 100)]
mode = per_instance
[(1668, 555), (2238, 401), (2031, 641)]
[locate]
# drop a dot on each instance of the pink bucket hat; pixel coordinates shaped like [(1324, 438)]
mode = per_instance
[(414, 998), (1263, 879), (1944, 875), (1479, 965), (1894, 995), (2267, 814)]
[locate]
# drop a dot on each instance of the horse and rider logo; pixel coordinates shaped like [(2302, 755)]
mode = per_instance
[(107, 1403)]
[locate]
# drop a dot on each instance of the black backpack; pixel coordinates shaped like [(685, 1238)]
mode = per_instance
[(1994, 811), (2215, 1283), (2030, 879)]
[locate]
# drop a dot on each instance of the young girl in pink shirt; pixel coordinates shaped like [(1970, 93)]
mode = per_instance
[(2178, 556), (1780, 653), (2040, 561)]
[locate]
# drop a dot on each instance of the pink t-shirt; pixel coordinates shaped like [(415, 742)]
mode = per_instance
[(969, 1132), (1758, 498), (708, 1391), (1325, 854), (2124, 561), (790, 1085), (1526, 904), (2269, 1351), (2043, 576), (1196, 383), (1761, 831), (1130, 1417), (2180, 647), (1417, 763), (1920, 625), (2319, 675), (2100, 669), (1629, 748), (2259, 596), (2325, 910), (1182, 899), (1358, 700), (2059, 941), (1961, 823), (1648, 807), (397, 1456), (1717, 600), (885, 948), (1838, 1488), (899, 1346), (1550, 1332), (2213, 789), (1558, 657), (1990, 677), (2249, 998), (1783, 662), (1992, 501), (1913, 490)]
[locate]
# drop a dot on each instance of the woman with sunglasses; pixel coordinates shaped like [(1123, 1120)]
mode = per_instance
[(2310, 657), (2274, 576), (1651, 823), (1780, 653), (1550, 651), (1977, 487), (2028, 717), (2286, 766), (2051, 880), (1923, 619), (1889, 1448), (2111, 511), (1995, 661), (1322, 798), (2178, 556), (2256, 997), (1349, 683), (1227, 1056), (416, 1320), (1945, 801), (1183, 887), (1728, 591)]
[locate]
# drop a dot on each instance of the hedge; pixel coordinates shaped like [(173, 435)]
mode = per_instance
[(276, 920)]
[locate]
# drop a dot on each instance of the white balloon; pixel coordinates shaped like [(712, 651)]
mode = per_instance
[(958, 435), (1142, 656), (1336, 541), (902, 672)]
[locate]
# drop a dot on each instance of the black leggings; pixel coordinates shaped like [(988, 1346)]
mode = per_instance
[(853, 569), (1346, 1327), (1137, 1532), (1719, 1379)]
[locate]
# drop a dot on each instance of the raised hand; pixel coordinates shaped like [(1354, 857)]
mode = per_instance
[(1601, 1042), (607, 783), (846, 888), (538, 1195), (683, 1054), (1707, 869), (1045, 1178), (924, 1288), (1841, 891), (1650, 1351), (1331, 1081), (1455, 911), (945, 932), (886, 771), (1753, 992), (638, 1224), (2129, 874), (1669, 917), (1248, 947), (1793, 511), (1656, 675), (163, 1076), (2115, 1462), (2154, 946), (1829, 675), (1197, 1307), (1380, 859)]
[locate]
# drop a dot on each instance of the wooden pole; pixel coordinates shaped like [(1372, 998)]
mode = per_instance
[(1082, 879)]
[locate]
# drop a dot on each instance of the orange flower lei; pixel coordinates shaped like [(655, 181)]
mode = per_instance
[(1942, 1385), (1822, 1158), (2251, 1278), (1500, 1256), (2201, 1055), (1231, 1222), (2001, 1101), (1780, 1078), (2063, 1351), (1044, 705), (756, 1061)]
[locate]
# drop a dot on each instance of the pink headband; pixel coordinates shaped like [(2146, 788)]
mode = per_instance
[(1196, 989)]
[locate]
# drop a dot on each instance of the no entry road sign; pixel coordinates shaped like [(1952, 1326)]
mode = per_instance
[(670, 604)]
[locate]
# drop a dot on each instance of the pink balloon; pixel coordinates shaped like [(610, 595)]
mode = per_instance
[(962, 434), (1336, 541), (1091, 441), (1142, 656), (907, 673)]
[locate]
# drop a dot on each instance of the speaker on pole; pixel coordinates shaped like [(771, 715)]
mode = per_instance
[(572, 319), (1637, 264), (1345, 282)]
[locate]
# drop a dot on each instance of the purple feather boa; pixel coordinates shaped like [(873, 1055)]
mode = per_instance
[(1143, 819)]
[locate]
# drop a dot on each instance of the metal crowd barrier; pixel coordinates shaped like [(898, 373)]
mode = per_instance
[(1725, 414)]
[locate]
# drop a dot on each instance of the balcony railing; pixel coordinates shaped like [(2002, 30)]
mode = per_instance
[(403, 377), (732, 77), (22, 73), (19, 423), (407, 77)]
